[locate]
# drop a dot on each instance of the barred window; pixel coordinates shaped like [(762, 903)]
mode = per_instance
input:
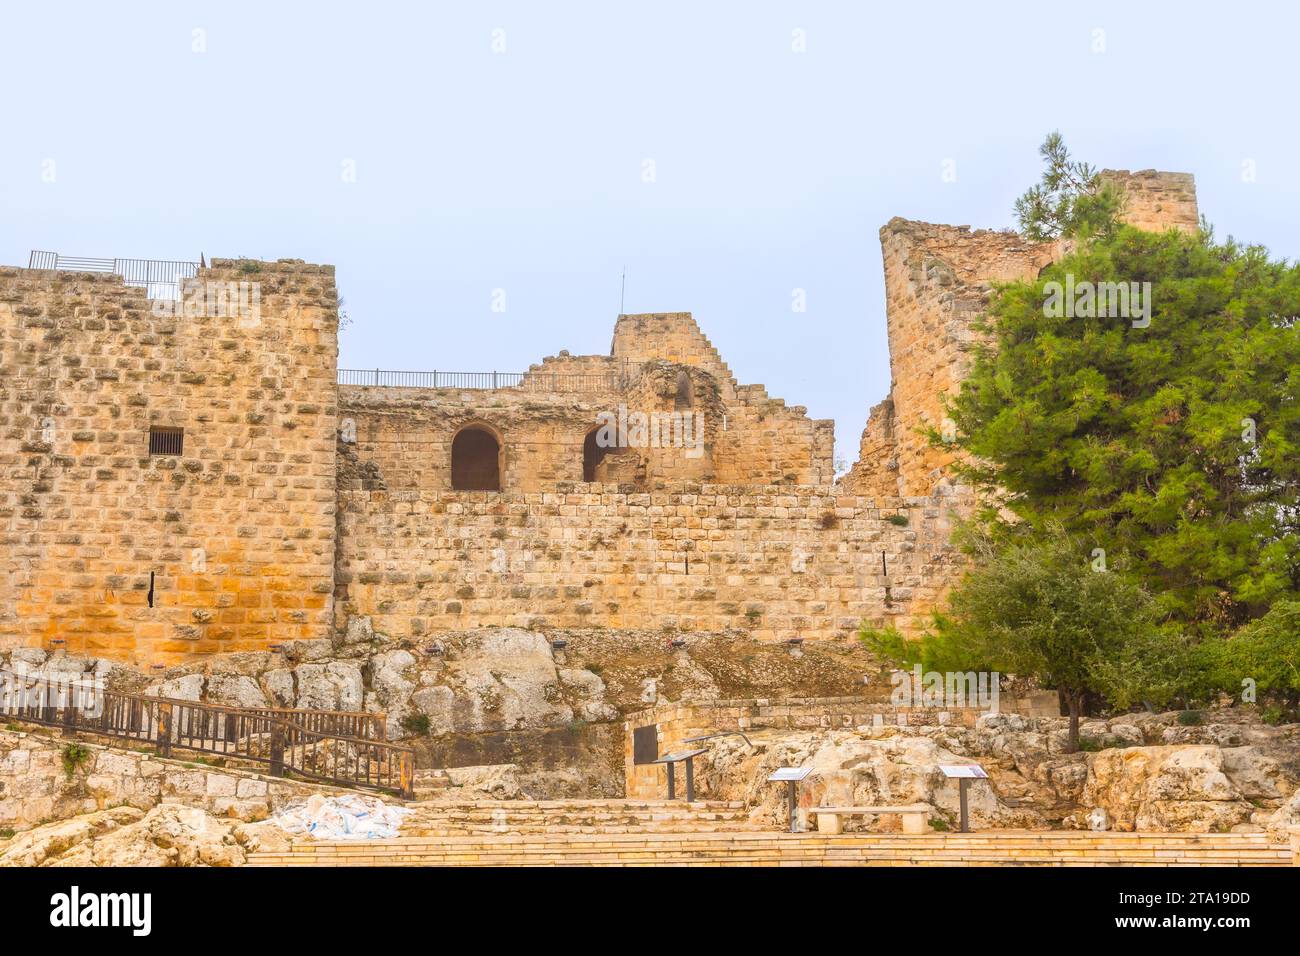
[(166, 441)]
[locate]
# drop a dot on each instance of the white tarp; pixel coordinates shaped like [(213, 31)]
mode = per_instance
[(342, 818)]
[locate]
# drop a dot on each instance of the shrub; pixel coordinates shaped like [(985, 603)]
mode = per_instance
[(416, 724), (1273, 715), (1191, 718), (74, 755), (900, 520)]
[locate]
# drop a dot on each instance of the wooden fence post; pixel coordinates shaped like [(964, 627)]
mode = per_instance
[(164, 730), (406, 774), (69, 714), (277, 749)]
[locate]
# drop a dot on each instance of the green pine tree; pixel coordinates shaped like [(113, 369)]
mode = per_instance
[(1174, 444)]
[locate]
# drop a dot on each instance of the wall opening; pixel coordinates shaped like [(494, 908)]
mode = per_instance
[(592, 455), (166, 441), (475, 460), (685, 397)]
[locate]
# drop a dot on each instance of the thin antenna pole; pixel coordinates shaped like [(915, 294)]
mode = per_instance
[(621, 290)]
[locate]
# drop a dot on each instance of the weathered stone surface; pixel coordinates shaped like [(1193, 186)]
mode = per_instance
[(336, 685), (499, 782), (1164, 788), (850, 768), (187, 687), (167, 835), (235, 690)]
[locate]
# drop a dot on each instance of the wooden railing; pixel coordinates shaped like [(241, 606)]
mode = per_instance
[(337, 723), (285, 741)]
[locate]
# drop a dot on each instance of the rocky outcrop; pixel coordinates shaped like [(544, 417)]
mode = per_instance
[(1181, 788), (1245, 779), (168, 835), (489, 680), (866, 767)]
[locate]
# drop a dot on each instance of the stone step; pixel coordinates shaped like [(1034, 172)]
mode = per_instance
[(1057, 848), (440, 819), (612, 803)]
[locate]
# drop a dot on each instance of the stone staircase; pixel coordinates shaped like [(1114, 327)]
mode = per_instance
[(750, 848), (499, 817)]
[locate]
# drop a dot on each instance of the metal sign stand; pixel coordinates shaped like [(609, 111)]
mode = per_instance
[(791, 777), (688, 757), (963, 774)]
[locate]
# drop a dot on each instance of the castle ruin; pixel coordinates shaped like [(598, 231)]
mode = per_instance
[(176, 483)]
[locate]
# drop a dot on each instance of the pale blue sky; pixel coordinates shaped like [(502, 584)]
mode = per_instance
[(523, 170)]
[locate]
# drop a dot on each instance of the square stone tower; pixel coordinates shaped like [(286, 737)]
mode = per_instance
[(167, 469)]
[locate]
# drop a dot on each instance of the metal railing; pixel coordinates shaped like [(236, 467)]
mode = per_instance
[(284, 740), (160, 278), (534, 381)]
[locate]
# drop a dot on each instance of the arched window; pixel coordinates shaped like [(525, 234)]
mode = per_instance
[(475, 460), (685, 397)]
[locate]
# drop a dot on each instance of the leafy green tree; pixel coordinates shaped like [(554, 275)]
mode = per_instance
[(1072, 201), (1265, 652), (1035, 606), (1173, 441)]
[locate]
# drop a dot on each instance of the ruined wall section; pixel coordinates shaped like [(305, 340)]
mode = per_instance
[(236, 532), (689, 400), (1157, 200), (774, 563), (938, 280), (762, 440), (406, 433), (875, 473), (670, 337)]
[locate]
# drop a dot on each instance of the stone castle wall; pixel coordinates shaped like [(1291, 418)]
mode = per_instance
[(233, 540), (273, 519), (776, 563), (938, 280)]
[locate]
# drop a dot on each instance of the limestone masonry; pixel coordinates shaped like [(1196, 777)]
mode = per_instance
[(175, 484)]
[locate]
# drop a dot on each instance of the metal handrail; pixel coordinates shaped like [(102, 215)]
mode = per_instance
[(531, 381), (160, 278), (725, 733), (167, 724)]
